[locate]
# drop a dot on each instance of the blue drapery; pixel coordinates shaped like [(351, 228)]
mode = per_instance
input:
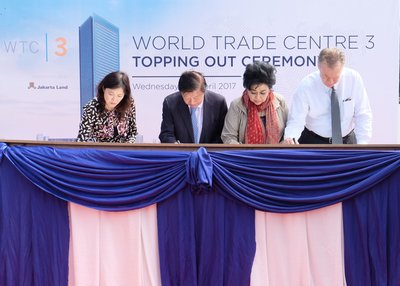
[(34, 233), (205, 239), (202, 195), (296, 180), (372, 237)]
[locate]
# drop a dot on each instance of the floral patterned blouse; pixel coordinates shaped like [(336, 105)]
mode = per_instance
[(105, 126)]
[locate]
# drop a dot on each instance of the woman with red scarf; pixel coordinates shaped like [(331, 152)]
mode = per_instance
[(259, 116)]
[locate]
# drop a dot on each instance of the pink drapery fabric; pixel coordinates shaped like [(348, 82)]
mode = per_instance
[(113, 248), (121, 248), (299, 248)]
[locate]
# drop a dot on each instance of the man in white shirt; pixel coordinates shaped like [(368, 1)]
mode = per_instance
[(310, 113)]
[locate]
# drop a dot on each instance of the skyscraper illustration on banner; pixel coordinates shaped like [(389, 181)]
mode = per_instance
[(98, 54)]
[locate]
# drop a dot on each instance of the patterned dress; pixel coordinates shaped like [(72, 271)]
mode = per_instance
[(105, 126)]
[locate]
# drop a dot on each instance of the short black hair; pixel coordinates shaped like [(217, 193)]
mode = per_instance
[(191, 81), (259, 73)]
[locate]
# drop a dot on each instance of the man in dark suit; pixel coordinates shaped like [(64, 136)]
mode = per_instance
[(193, 102)]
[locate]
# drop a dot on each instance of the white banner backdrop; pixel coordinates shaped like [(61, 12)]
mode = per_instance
[(158, 40)]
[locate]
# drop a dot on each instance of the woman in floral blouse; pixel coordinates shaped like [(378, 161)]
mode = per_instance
[(111, 116)]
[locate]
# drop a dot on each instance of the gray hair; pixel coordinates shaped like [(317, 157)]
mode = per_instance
[(331, 56)]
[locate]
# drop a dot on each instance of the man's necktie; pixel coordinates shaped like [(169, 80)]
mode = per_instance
[(195, 124), (335, 113)]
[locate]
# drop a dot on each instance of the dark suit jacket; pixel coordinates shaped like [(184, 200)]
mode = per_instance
[(176, 124)]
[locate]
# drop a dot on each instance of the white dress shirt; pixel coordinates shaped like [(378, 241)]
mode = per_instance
[(311, 107)]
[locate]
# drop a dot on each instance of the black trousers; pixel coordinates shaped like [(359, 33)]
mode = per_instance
[(309, 137)]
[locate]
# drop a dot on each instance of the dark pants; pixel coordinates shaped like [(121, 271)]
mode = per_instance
[(309, 137)]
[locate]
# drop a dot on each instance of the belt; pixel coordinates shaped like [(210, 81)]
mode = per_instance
[(327, 139)]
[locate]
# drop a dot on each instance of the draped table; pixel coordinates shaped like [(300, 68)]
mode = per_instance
[(184, 214)]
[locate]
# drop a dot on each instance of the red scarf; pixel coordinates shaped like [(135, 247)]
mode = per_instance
[(255, 131)]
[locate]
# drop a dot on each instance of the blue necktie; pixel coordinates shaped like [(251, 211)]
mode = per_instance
[(195, 124), (335, 114)]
